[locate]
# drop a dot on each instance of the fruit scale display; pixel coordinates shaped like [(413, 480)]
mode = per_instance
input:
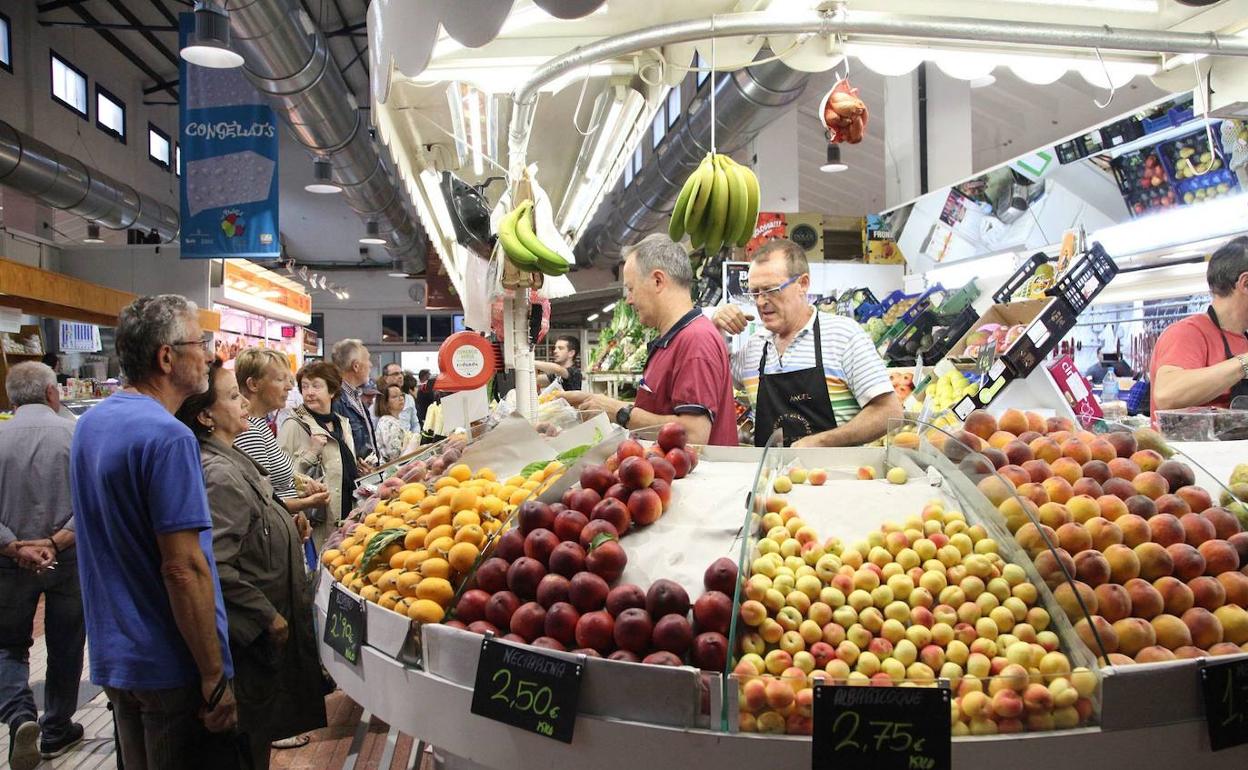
[(695, 613)]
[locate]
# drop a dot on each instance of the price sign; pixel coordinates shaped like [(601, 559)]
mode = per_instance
[(1225, 688), (344, 625), (525, 688), (884, 728)]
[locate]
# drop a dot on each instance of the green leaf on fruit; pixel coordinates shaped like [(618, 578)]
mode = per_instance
[(533, 467), (378, 544), (572, 455), (599, 539)]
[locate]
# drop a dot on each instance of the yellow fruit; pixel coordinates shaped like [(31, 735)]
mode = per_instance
[(531, 485), (553, 467), (399, 559), (363, 533), (341, 571), (428, 504), (490, 526), (487, 474), (412, 493), (382, 508), (355, 552), (329, 556), (436, 590), (407, 582), (519, 496), (444, 482), (464, 518), (492, 504), (464, 500), (357, 585), (435, 567), (415, 538), (460, 472), (515, 481), (389, 552), (414, 561), (473, 533), (442, 544), (403, 605), (398, 508), (388, 578), (375, 576), (462, 556), (445, 530), (388, 599), (439, 516), (336, 563), (392, 522), (425, 611), (370, 593), (372, 519)]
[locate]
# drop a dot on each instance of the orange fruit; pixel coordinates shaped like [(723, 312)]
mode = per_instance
[(462, 556), (415, 538), (435, 567), (463, 500), (444, 530), (412, 493), (444, 482), (330, 555), (397, 561), (407, 582), (413, 561), (425, 611), (436, 590), (465, 518), (459, 472)]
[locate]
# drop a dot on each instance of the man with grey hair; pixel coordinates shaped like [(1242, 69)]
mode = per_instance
[(37, 559), (1202, 360), (353, 362), (686, 378), (155, 618)]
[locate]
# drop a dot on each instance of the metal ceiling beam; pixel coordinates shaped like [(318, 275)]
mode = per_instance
[(160, 7), (147, 34), (355, 46), (124, 49), (161, 86), (108, 25), (56, 4)]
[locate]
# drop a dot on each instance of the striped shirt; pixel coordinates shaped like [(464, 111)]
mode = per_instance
[(258, 443), (851, 366)]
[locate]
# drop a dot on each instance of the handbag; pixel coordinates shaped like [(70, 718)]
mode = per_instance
[(320, 514)]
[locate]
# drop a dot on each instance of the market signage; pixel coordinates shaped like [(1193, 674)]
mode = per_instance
[(228, 141), (529, 689), (1224, 686), (79, 337), (244, 288), (884, 728), (345, 624)]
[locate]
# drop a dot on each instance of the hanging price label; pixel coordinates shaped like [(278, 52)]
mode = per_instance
[(1224, 686), (884, 728), (344, 624), (525, 688)]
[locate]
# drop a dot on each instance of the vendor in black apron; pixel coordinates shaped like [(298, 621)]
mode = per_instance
[(1202, 360), (808, 366)]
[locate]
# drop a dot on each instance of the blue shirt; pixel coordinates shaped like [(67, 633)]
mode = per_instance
[(135, 474)]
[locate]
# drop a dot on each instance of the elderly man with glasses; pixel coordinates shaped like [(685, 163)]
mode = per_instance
[(814, 377)]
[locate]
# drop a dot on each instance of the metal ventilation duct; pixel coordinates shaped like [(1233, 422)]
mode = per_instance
[(61, 181), (745, 102), (287, 58)]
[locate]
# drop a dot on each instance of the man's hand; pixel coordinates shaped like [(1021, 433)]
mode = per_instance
[(35, 558), (576, 397), (303, 527), (225, 715), (609, 406), (808, 441), (279, 630), (731, 320)]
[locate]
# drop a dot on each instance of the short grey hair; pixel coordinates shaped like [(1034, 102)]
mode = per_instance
[(346, 351), (795, 262), (1226, 266), (145, 326), (28, 383), (659, 252)]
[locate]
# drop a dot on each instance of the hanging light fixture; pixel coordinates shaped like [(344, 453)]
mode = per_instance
[(93, 234), (372, 234), (209, 44), (833, 163), (323, 178)]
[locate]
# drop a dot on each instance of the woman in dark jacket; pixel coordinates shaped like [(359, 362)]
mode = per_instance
[(258, 550)]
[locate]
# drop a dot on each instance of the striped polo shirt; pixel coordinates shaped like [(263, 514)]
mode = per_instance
[(852, 368)]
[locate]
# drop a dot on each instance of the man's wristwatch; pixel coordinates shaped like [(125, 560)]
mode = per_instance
[(1242, 358), (623, 415)]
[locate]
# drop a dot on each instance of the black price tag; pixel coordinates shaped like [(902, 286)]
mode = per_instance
[(344, 624), (526, 688), (1224, 685), (884, 728)]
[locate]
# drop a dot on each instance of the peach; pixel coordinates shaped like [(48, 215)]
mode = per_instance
[(1067, 468), (1235, 586), (1225, 525), (1046, 449), (1150, 484), (1166, 529), (1188, 561), (997, 489), (1124, 443), (1122, 468), (1001, 438), (1189, 651), (1195, 497), (1154, 654), (1176, 597), (1178, 474), (1155, 561), (1015, 474), (1173, 504), (1097, 470), (1092, 567), (1104, 532), (1112, 507), (1053, 566), (1196, 529), (1146, 601), (1082, 508), (1171, 632), (1134, 634), (1039, 470), (1124, 564), (1207, 592), (1069, 596), (1147, 459), (1090, 487), (1115, 659), (1013, 421), (1073, 537), (1220, 556), (1205, 627), (995, 456), (1113, 602), (1240, 541), (1017, 452), (1035, 539), (1119, 488), (1234, 620), (1052, 514), (1134, 530), (1139, 505), (1054, 424), (1225, 648), (1058, 489), (1102, 450), (1076, 450), (1103, 629), (981, 424), (1035, 423), (1017, 512)]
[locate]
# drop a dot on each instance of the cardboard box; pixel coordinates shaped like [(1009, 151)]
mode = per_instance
[(1076, 389), (1007, 314)]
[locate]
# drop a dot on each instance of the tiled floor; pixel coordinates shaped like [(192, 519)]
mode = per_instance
[(345, 743)]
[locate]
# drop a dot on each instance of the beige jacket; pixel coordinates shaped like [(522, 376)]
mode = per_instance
[(325, 464)]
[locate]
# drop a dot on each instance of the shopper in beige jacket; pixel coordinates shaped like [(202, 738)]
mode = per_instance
[(320, 443)]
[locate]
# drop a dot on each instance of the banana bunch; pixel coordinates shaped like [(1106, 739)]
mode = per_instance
[(522, 247), (718, 205)]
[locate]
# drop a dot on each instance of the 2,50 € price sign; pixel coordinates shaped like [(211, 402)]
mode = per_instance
[(527, 689), (884, 728), (344, 623), (1224, 686)]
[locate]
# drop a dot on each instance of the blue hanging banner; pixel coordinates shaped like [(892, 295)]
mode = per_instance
[(229, 147)]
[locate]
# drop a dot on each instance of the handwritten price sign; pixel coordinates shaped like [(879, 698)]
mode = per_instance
[(345, 624), (889, 728), (1224, 686), (525, 688)]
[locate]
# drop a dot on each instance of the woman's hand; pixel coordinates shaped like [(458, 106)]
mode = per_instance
[(303, 527), (279, 630), (319, 441)]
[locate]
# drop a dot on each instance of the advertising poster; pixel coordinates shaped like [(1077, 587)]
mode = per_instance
[(228, 141)]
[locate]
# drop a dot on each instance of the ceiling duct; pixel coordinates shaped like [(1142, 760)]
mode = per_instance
[(286, 57), (745, 102), (63, 182)]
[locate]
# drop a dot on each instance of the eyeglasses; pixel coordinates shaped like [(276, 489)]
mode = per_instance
[(202, 343), (768, 293)]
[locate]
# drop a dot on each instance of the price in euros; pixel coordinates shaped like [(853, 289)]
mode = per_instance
[(526, 696), (887, 736)]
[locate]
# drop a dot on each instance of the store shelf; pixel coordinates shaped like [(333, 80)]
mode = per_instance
[(1156, 138)]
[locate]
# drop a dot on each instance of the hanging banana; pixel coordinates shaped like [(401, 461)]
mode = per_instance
[(522, 246), (717, 206)]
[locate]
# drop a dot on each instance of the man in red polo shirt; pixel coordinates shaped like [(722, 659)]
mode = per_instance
[(687, 376)]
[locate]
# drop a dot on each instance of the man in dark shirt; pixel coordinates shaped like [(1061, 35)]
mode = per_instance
[(562, 370), (354, 363), (687, 377)]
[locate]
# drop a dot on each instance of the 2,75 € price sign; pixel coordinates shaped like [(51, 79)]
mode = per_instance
[(527, 689), (1224, 686), (344, 624), (884, 728)]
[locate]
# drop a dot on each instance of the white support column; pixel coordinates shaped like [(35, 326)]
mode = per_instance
[(901, 139), (948, 129), (777, 167)]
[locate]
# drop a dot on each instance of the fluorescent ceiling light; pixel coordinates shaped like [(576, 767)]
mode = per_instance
[(397, 274), (474, 130), (592, 317), (1178, 226), (609, 308), (209, 44), (372, 234)]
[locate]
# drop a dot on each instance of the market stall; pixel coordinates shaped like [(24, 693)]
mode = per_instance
[(261, 308)]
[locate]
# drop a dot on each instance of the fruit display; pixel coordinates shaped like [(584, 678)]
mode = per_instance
[(410, 553), (903, 383), (930, 598), (948, 389), (523, 248), (1143, 183), (621, 346), (1235, 497), (798, 474), (1157, 565), (1000, 336), (717, 206)]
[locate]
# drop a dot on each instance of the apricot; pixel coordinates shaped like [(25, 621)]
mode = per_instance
[(1146, 601), (1166, 529), (1000, 438), (1205, 627), (1013, 421), (1234, 620), (1176, 597), (1155, 562), (1052, 514)]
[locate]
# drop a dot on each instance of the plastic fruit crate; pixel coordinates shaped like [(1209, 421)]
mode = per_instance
[(945, 331), (1020, 277), (1085, 279)]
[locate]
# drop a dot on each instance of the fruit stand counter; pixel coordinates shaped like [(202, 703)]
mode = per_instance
[(1215, 460)]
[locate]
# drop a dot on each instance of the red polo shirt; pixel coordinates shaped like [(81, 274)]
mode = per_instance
[(688, 373), (1194, 343)]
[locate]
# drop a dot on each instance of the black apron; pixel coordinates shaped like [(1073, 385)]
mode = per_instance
[(796, 403), (1241, 387)]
